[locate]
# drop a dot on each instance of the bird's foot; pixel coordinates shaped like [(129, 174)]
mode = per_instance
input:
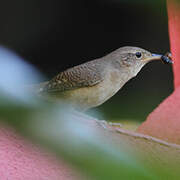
[(115, 124), (106, 124), (102, 123)]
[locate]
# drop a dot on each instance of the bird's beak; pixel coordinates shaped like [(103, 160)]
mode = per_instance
[(154, 57), (166, 59)]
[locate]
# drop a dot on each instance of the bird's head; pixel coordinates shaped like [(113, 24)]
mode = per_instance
[(134, 58)]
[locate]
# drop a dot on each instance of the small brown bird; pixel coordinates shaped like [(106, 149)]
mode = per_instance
[(94, 82)]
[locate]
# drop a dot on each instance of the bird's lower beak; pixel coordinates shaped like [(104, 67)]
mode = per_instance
[(154, 57)]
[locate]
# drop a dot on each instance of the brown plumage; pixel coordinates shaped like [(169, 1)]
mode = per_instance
[(92, 83), (85, 75)]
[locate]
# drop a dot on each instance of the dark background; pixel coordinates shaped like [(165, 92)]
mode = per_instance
[(58, 34)]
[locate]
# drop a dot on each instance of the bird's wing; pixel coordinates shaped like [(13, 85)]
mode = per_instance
[(85, 75)]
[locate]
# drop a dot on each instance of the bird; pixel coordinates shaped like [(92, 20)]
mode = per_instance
[(92, 83)]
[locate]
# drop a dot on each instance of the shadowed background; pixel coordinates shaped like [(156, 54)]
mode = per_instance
[(55, 35)]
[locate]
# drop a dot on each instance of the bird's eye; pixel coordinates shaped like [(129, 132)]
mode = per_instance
[(138, 54)]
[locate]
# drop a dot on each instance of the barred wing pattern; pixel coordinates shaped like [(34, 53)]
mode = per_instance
[(84, 75)]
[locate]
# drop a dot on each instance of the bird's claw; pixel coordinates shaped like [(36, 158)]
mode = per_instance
[(106, 124), (115, 124)]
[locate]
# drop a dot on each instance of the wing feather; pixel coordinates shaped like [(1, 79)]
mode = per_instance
[(85, 75)]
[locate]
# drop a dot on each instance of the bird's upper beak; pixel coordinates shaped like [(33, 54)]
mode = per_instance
[(153, 57)]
